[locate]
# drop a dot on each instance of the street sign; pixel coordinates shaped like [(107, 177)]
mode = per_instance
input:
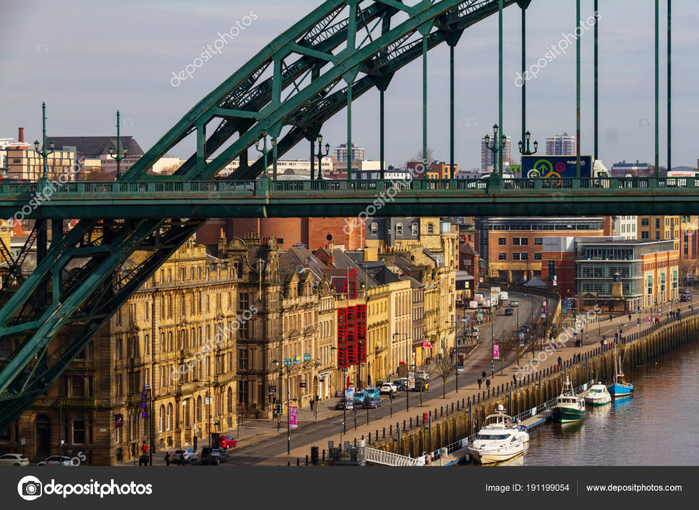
[(302, 384), (297, 360), (293, 417), (349, 393), (272, 389), (306, 357), (411, 379), (208, 400), (521, 335), (118, 420), (496, 351), (464, 319), (287, 362)]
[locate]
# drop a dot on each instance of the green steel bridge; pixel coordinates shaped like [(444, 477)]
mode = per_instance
[(311, 72)]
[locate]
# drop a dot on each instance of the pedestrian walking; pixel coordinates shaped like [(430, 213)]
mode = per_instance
[(180, 462), (484, 375), (514, 379), (312, 402), (559, 361), (167, 459), (487, 383), (601, 344), (480, 381)]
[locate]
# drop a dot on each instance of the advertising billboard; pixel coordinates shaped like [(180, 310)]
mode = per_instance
[(555, 167)]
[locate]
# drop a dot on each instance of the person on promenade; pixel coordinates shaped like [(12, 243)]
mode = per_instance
[(484, 375), (480, 381), (167, 459)]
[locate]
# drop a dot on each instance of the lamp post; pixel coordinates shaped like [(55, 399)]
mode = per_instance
[(264, 151), (492, 341), (528, 152), (287, 364), (119, 155), (149, 397), (320, 157), (496, 148), (44, 153)]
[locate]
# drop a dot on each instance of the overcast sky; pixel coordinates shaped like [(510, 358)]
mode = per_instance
[(88, 58)]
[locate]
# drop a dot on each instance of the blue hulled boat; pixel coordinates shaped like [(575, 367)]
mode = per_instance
[(619, 388)]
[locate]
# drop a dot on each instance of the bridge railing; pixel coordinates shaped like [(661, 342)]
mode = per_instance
[(479, 187)]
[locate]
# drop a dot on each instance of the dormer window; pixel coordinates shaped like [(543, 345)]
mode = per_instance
[(374, 229), (414, 229), (430, 228), (399, 229)]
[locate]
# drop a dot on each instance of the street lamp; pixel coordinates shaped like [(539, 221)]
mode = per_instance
[(497, 147), (287, 364), (44, 153), (528, 152), (119, 154), (320, 156), (148, 396), (264, 151)]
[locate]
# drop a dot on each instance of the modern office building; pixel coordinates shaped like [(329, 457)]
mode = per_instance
[(560, 145), (340, 153), (487, 155)]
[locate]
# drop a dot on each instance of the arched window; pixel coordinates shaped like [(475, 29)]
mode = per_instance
[(182, 274), (133, 347), (78, 431), (183, 309), (198, 409), (181, 342), (169, 416), (230, 400), (146, 344), (374, 229), (160, 418), (170, 347), (414, 229), (162, 342)]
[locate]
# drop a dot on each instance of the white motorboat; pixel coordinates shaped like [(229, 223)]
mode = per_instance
[(569, 407), (500, 439), (598, 395)]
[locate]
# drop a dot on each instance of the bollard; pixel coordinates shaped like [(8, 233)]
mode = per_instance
[(390, 430), (288, 464), (384, 432), (307, 455), (355, 442), (324, 451), (452, 406), (298, 462), (377, 434), (404, 426), (441, 411), (411, 422)]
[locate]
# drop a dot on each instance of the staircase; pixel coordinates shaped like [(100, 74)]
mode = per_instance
[(392, 459)]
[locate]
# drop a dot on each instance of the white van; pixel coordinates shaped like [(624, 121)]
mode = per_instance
[(478, 298), (473, 304), (504, 296)]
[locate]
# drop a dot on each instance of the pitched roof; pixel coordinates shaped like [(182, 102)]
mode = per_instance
[(95, 146)]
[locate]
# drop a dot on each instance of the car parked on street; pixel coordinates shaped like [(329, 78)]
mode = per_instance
[(388, 389), (343, 403), (56, 460), (359, 397), (189, 455), (372, 392), (372, 403), (213, 456), (13, 459), (227, 442), (421, 384)]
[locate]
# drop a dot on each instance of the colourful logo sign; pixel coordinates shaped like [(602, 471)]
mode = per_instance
[(293, 417), (496, 351)]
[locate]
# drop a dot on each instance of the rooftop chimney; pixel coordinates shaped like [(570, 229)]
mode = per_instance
[(21, 135)]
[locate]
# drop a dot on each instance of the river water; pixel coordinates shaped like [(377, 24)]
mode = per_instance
[(658, 426)]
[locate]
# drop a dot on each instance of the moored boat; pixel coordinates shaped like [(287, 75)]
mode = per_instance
[(569, 407), (619, 388), (500, 439), (598, 395)]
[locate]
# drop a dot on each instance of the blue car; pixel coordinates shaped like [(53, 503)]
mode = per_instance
[(359, 397), (372, 392)]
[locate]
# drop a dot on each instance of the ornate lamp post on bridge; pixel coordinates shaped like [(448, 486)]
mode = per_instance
[(44, 153), (264, 151), (320, 156), (119, 153), (528, 152), (497, 147)]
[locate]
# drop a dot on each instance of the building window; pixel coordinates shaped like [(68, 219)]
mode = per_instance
[(644, 235), (537, 256), (502, 241), (645, 222), (430, 228), (515, 241), (413, 228), (524, 241), (538, 241), (657, 235), (552, 267), (118, 348), (502, 256), (374, 229), (657, 222), (243, 301), (399, 229)]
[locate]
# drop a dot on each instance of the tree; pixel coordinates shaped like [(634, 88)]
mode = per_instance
[(444, 366), (417, 158)]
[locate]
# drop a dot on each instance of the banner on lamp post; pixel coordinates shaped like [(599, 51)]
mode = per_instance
[(496, 351), (293, 417)]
